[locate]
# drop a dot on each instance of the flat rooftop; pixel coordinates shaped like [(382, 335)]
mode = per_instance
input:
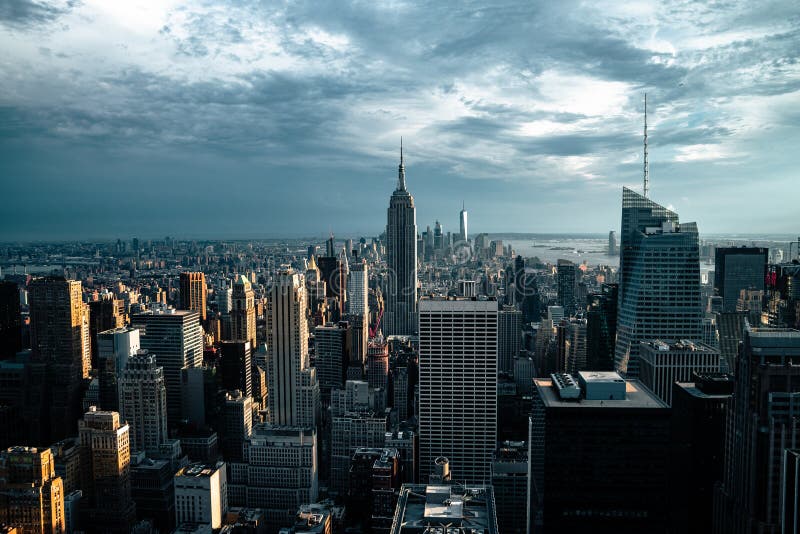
[(425, 508), (637, 396)]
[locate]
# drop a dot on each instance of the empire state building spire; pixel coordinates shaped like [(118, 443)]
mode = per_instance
[(401, 171)]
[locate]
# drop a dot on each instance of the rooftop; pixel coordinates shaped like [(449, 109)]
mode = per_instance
[(422, 508), (200, 470), (636, 395)]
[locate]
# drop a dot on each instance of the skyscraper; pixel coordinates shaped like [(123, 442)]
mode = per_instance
[(31, 494), (762, 421), (601, 328), (358, 304), (176, 339), (243, 313), (60, 358), (104, 314), (293, 388), (612, 243), (509, 337), (114, 347), (458, 385), (193, 293), (662, 363), (201, 494), (566, 286), (462, 218), (401, 251), (659, 294), (143, 402), (738, 268), (332, 343), (236, 364), (10, 320), (106, 457)]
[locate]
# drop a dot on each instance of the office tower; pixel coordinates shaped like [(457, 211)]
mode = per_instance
[(528, 295), (106, 456), (31, 494), (374, 481), (224, 298), (201, 494), (738, 268), (458, 385), (751, 302), (762, 420), (175, 337), (509, 337), (378, 363), (60, 357), (601, 328), (236, 366), (790, 491), (332, 343), (610, 434), (356, 421), (612, 243), (575, 354), (330, 247), (730, 328), (697, 445), (104, 314), (659, 294), (358, 304), (143, 402), (662, 363), (445, 508), (400, 396), (462, 218), (438, 236), (67, 457), (114, 348), (153, 491), (279, 473), (293, 388), (237, 419), (566, 284), (193, 293), (10, 320), (510, 484), (334, 274), (406, 442), (243, 313), (401, 259)]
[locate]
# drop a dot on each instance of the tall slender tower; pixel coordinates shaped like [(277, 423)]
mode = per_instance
[(646, 188), (401, 246), (31, 494), (193, 293), (462, 216), (293, 388), (243, 314), (143, 402)]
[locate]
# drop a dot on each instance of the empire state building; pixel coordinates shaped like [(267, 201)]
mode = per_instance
[(401, 246)]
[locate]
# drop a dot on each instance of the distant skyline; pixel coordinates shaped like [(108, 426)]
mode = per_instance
[(226, 119)]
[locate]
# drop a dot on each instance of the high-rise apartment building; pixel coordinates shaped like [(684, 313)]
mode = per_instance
[(243, 313), (60, 357), (175, 337), (458, 385), (31, 494), (114, 348), (659, 295), (401, 259), (143, 402), (293, 388), (193, 292), (106, 457), (738, 268), (762, 421)]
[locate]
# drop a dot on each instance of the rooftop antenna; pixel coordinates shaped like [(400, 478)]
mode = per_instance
[(401, 170), (646, 163)]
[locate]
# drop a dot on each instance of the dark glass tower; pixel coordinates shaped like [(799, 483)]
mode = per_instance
[(659, 294), (401, 246), (738, 268)]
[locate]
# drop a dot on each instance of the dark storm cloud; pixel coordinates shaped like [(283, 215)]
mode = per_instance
[(301, 104)]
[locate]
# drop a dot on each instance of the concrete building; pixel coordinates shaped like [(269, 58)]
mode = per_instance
[(332, 343), (114, 347), (243, 312), (31, 494), (153, 491), (236, 366), (458, 385), (193, 293), (175, 337), (510, 484), (662, 363), (443, 508), (143, 402), (238, 425), (201, 494)]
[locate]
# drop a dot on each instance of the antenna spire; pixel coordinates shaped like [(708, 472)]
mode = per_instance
[(646, 162), (401, 170)]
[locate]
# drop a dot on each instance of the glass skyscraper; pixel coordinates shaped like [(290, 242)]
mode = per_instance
[(659, 294)]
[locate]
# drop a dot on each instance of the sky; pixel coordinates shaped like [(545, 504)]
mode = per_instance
[(250, 119)]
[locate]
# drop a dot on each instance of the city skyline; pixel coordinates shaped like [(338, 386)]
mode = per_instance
[(196, 120)]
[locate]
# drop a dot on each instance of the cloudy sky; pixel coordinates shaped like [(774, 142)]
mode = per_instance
[(222, 119)]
